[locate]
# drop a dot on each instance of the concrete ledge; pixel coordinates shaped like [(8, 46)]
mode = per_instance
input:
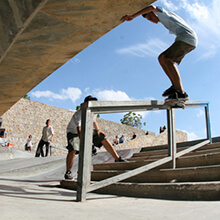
[(192, 174), (186, 161), (161, 154), (205, 191)]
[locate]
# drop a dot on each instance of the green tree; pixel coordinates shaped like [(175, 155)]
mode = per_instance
[(77, 107), (133, 119), (27, 97)]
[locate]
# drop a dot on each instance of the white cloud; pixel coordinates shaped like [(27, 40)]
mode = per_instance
[(191, 136), (111, 95), (151, 48), (75, 60), (200, 113), (143, 114), (149, 98), (86, 90), (169, 5), (70, 93)]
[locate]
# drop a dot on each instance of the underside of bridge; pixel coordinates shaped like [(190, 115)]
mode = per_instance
[(39, 36)]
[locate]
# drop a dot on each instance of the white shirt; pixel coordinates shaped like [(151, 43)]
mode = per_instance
[(29, 142), (47, 133), (177, 26), (76, 122)]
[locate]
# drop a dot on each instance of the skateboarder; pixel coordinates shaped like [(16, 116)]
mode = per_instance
[(186, 40), (73, 139)]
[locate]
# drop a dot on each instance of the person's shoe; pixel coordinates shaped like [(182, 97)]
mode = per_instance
[(182, 96), (169, 91), (120, 159), (172, 97), (179, 96), (68, 175), (94, 150)]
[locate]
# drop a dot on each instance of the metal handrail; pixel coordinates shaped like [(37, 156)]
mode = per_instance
[(100, 107)]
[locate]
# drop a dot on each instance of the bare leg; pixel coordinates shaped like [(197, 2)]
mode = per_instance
[(172, 72), (107, 145), (69, 160)]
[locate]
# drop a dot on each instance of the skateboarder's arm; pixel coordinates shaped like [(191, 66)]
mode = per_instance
[(146, 10)]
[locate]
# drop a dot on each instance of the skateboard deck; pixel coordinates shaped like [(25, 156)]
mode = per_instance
[(175, 104)]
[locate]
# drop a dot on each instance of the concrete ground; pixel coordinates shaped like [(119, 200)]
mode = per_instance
[(23, 196), (43, 200)]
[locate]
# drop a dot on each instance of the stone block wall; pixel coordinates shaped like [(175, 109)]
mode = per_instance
[(28, 117)]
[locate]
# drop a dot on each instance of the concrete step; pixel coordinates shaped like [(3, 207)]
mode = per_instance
[(215, 140), (152, 151), (144, 156), (191, 174), (205, 191), (186, 161)]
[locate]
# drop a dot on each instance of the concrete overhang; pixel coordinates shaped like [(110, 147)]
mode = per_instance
[(39, 36)]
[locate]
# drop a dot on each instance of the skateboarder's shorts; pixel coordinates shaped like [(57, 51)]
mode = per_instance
[(74, 141), (177, 51)]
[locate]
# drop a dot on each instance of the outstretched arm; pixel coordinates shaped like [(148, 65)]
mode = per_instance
[(141, 12)]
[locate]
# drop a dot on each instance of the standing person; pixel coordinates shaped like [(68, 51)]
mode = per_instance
[(73, 139), (29, 143), (186, 40), (47, 136)]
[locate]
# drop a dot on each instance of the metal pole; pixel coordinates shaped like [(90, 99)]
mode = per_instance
[(171, 135), (85, 155), (208, 123)]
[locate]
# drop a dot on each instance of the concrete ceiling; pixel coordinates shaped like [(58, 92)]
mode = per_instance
[(39, 36)]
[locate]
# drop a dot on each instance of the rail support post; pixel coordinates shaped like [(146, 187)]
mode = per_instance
[(85, 155), (171, 135), (208, 123)]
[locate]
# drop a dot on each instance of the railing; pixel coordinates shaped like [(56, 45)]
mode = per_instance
[(84, 168)]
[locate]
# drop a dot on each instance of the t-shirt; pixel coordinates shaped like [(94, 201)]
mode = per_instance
[(76, 122), (177, 26), (29, 142), (47, 133)]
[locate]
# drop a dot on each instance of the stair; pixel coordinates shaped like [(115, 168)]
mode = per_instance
[(196, 177)]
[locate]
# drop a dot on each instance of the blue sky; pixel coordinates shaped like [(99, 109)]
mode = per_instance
[(123, 65)]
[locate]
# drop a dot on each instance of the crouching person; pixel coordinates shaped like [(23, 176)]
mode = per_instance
[(73, 139)]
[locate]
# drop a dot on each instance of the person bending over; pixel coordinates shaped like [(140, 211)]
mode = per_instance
[(73, 139)]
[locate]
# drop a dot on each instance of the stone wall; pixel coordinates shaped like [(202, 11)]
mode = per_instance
[(28, 117)]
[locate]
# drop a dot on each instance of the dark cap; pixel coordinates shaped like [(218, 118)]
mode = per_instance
[(90, 98)]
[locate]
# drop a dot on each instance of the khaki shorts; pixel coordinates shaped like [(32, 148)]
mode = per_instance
[(74, 141), (177, 51)]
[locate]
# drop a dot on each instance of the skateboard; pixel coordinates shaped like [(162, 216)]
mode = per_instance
[(175, 104)]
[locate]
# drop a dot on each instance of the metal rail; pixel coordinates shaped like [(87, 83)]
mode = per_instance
[(84, 168)]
